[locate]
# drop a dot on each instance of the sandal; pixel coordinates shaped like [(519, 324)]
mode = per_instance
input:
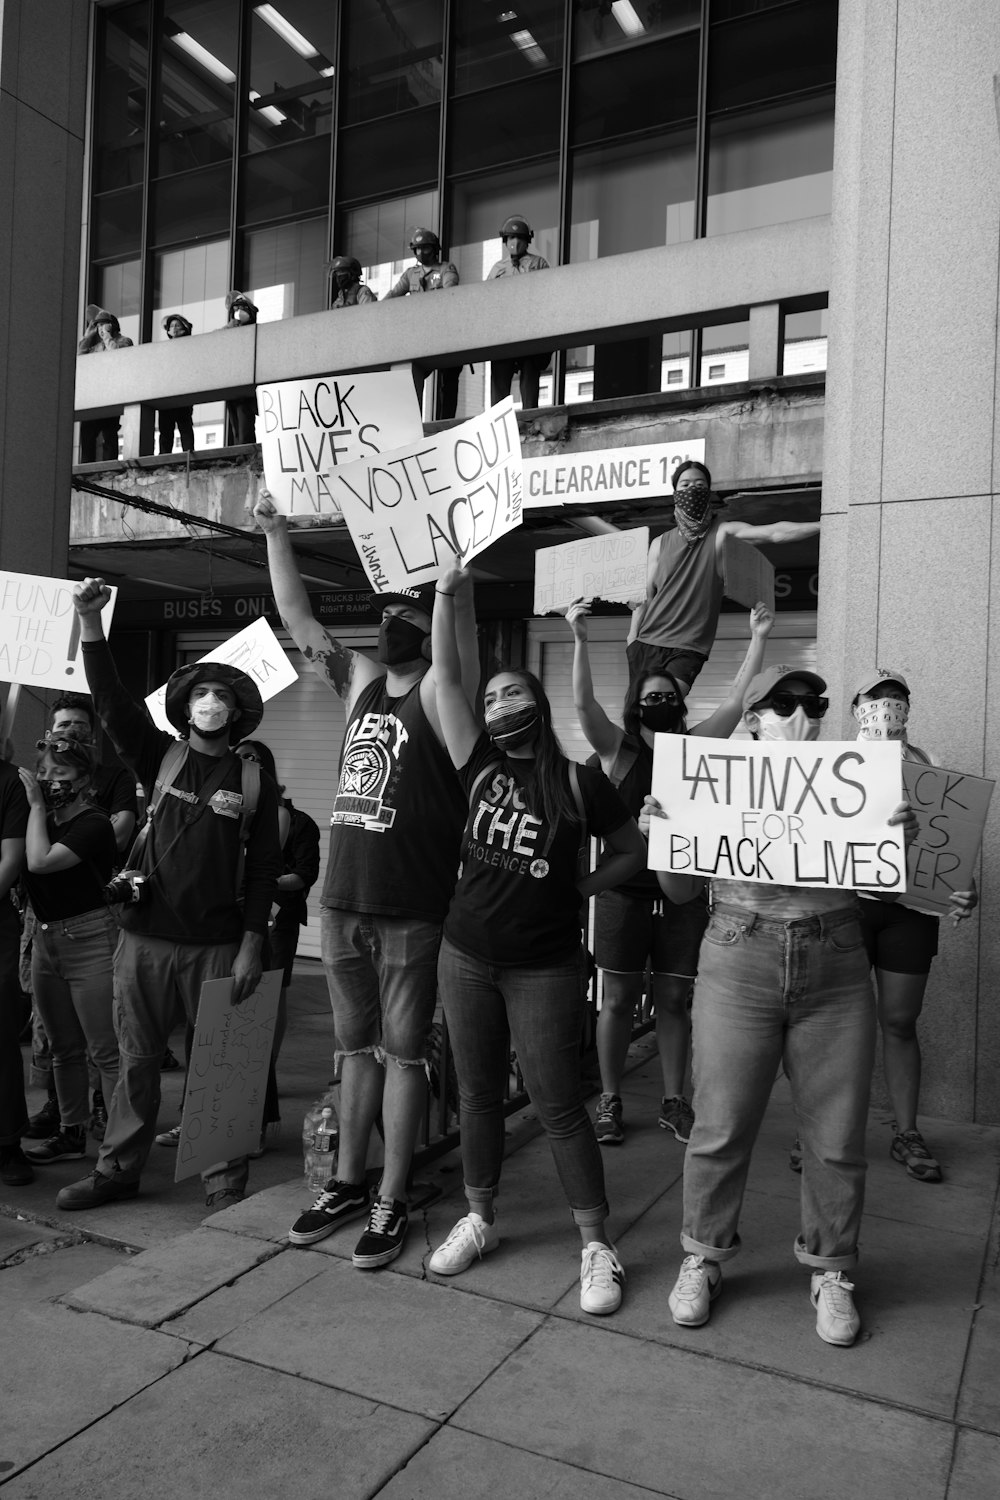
[(910, 1150)]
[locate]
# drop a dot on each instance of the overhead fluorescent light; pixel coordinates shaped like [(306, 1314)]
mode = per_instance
[(201, 54), (624, 13), (298, 43), (532, 51), (269, 111), (327, 72)]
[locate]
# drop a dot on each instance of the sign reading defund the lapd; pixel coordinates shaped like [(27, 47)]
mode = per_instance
[(40, 632), (808, 813), (309, 429), (612, 566), (411, 511)]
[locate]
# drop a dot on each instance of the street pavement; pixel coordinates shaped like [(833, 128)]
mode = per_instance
[(151, 1351)]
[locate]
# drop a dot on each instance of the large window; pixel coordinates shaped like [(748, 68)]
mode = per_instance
[(196, 93), (286, 275), (379, 235), (192, 282), (291, 72)]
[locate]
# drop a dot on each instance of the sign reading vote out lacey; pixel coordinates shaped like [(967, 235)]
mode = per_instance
[(227, 1074), (809, 814), (256, 651), (611, 567), (309, 429), (40, 632), (410, 511), (951, 809)]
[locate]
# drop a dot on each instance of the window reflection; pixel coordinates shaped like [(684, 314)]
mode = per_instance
[(392, 56), (291, 71), (804, 346), (610, 25), (192, 282), (770, 167), (632, 197), (497, 42), (379, 235), (197, 77), (725, 353), (285, 275), (118, 289), (120, 104)]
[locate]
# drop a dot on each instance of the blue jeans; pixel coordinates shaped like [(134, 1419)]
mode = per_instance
[(772, 992), (13, 1113), (540, 1010), (71, 979), (382, 976)]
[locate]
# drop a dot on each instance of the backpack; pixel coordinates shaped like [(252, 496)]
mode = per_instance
[(174, 757)]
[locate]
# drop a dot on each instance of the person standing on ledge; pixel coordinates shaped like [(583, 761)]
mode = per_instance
[(431, 274), (169, 417), (351, 290), (517, 234)]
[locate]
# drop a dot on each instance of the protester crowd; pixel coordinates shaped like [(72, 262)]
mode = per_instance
[(457, 875)]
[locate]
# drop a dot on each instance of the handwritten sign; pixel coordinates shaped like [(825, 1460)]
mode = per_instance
[(256, 651), (612, 567), (810, 813), (40, 632), (747, 576), (410, 511), (309, 429), (227, 1074), (951, 809), (640, 473)]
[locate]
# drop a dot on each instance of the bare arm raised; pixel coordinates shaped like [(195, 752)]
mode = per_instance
[(602, 735), (777, 532), (452, 612), (722, 723)]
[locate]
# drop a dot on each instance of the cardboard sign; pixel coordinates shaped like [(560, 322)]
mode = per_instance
[(612, 567), (640, 473), (309, 429), (40, 632), (227, 1074), (951, 809), (747, 576), (809, 813), (412, 510), (256, 651)]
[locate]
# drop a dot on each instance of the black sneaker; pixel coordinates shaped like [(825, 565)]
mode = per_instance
[(68, 1144), (383, 1240), (338, 1202), (15, 1169), (677, 1115), (44, 1124), (170, 1063)]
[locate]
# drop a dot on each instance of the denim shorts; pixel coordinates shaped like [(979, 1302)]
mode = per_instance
[(382, 974), (631, 930)]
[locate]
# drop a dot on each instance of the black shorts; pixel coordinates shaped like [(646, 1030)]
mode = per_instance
[(630, 931), (898, 939), (647, 660)]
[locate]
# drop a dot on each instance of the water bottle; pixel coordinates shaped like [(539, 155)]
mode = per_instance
[(320, 1134)]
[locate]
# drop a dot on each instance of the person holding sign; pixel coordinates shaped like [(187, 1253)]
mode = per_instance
[(512, 965), (394, 851), (901, 942), (783, 980), (209, 863), (673, 629), (431, 274), (634, 926)]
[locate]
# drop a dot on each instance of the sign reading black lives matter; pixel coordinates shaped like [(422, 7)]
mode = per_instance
[(810, 813), (951, 810), (411, 511), (309, 429)]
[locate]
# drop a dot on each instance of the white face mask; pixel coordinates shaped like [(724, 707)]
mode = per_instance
[(882, 719), (209, 713), (798, 726)]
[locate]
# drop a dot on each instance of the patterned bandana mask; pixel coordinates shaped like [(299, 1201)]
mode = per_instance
[(510, 725), (693, 512), (883, 719)]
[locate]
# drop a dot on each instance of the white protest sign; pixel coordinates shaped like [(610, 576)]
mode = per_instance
[(410, 511), (310, 428), (809, 813), (256, 651), (227, 1074), (639, 473), (40, 632), (951, 809), (612, 566)]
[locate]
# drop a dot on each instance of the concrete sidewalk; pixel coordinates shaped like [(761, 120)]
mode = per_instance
[(222, 1362)]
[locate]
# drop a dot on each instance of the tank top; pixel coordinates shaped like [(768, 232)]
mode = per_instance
[(684, 610), (398, 814)]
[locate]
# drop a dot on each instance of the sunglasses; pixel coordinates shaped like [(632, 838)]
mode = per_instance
[(652, 699), (246, 755), (62, 745), (785, 704)]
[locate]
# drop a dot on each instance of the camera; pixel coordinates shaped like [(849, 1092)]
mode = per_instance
[(127, 889)]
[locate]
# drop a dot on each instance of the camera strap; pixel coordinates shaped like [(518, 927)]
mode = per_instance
[(174, 758)]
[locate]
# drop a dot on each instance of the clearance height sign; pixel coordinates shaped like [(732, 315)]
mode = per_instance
[(609, 474)]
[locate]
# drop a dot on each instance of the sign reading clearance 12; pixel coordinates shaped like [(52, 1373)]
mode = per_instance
[(607, 474)]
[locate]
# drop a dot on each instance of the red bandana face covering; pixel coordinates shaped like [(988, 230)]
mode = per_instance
[(693, 511)]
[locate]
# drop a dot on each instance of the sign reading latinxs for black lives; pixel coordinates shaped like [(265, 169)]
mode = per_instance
[(810, 813)]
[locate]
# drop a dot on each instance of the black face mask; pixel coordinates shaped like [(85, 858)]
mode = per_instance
[(399, 641), (661, 718), (511, 725), (57, 794)]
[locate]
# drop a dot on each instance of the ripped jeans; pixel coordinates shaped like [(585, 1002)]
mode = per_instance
[(382, 975)]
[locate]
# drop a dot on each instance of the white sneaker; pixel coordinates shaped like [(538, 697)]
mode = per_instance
[(171, 1137), (837, 1320), (696, 1288), (470, 1240), (601, 1279)]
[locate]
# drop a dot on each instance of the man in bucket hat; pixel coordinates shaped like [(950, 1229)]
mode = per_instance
[(211, 871)]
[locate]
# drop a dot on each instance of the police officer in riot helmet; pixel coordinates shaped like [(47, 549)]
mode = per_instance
[(517, 234), (431, 274), (351, 290)]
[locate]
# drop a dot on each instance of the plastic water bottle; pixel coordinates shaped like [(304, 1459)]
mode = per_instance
[(320, 1135)]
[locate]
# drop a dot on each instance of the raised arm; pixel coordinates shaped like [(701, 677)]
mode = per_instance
[(339, 668), (602, 735), (777, 531), (652, 558), (721, 724), (458, 721)]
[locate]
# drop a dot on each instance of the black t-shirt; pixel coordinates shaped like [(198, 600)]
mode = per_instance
[(517, 902), (67, 893)]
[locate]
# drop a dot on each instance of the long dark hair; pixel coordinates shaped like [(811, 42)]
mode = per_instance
[(547, 789), (264, 755), (630, 710)]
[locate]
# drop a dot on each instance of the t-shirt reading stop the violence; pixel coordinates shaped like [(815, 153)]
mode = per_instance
[(517, 902)]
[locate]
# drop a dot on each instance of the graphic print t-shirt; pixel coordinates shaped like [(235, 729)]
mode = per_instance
[(517, 901)]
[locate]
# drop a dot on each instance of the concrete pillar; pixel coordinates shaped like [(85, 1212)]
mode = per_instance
[(909, 553), (766, 330)]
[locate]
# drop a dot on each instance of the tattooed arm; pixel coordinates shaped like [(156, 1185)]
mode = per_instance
[(339, 668)]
